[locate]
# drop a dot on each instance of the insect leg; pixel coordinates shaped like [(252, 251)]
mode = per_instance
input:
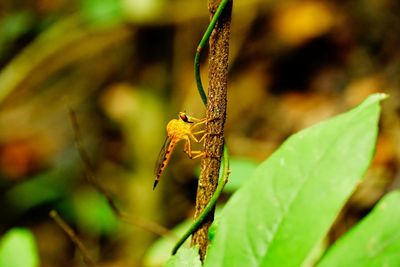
[(203, 137), (195, 138), (202, 131), (196, 119), (188, 147), (199, 154), (198, 123)]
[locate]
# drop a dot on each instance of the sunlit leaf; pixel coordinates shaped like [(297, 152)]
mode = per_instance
[(241, 171), (375, 241), (283, 212), (18, 249), (185, 257), (143, 10)]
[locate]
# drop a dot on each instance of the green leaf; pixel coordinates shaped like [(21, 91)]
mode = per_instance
[(12, 26), (36, 191), (102, 12), (160, 250), (93, 212), (18, 249), (283, 212), (375, 241), (241, 171), (185, 257), (315, 255)]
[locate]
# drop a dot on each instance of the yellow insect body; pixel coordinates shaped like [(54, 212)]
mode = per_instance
[(178, 129)]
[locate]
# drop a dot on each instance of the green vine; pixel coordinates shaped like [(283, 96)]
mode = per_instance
[(200, 47)]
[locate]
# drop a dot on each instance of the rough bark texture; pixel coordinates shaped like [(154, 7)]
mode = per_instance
[(216, 114)]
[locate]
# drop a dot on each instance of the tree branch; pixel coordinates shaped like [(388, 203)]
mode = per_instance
[(216, 115)]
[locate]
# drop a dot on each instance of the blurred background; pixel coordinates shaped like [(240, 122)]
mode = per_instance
[(126, 68)]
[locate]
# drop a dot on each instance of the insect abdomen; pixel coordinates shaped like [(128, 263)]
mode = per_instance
[(164, 163)]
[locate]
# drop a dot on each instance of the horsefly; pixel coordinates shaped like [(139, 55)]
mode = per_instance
[(178, 129)]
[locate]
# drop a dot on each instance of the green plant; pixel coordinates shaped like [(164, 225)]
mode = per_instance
[(280, 215), (18, 249)]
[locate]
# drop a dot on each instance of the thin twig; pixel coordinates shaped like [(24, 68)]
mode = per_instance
[(74, 238), (91, 179)]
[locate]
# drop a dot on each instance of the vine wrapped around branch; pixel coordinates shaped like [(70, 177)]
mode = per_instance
[(216, 115)]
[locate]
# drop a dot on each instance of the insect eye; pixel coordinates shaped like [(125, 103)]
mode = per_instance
[(183, 117)]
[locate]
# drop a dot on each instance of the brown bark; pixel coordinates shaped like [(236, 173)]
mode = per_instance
[(216, 115)]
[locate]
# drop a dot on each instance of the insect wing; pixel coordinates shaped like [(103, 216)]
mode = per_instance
[(161, 155)]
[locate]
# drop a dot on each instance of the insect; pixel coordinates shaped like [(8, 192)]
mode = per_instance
[(177, 130)]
